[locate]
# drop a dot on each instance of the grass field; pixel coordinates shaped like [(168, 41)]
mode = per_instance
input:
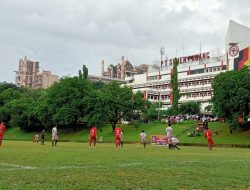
[(74, 166), (239, 136)]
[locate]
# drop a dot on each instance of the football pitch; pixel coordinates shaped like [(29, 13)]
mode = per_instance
[(75, 166)]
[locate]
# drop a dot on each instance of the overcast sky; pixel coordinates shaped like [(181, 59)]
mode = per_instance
[(65, 34)]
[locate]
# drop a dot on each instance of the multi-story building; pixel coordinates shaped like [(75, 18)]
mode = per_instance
[(195, 72), (28, 75)]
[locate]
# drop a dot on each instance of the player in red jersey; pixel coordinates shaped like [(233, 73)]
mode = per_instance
[(2, 132), (92, 136), (117, 133), (208, 136)]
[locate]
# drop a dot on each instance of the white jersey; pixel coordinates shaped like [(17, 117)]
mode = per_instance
[(174, 140), (169, 131), (54, 133), (143, 137)]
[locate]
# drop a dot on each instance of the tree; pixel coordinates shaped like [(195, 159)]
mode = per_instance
[(9, 92), (19, 112), (66, 101), (190, 108), (117, 102), (151, 113), (83, 74), (176, 93), (231, 96)]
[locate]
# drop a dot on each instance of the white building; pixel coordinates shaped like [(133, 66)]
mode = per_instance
[(195, 72)]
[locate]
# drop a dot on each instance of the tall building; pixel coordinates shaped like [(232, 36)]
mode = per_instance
[(28, 75), (195, 72)]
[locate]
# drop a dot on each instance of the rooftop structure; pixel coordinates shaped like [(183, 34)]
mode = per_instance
[(122, 70)]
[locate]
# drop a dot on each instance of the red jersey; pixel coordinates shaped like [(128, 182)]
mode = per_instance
[(92, 132), (117, 132), (208, 134), (2, 130)]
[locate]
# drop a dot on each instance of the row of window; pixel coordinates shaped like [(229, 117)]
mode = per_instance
[(184, 84), (192, 95), (207, 70), (196, 71)]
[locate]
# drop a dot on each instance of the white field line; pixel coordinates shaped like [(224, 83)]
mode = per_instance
[(18, 166), (13, 167)]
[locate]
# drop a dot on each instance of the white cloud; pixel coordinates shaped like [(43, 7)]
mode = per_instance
[(65, 34)]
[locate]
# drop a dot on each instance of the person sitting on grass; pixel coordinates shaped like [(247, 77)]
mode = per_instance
[(100, 139)]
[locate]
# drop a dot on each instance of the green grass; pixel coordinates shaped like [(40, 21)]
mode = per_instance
[(154, 128), (72, 165)]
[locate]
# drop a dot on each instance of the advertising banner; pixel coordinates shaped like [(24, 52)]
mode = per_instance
[(158, 139)]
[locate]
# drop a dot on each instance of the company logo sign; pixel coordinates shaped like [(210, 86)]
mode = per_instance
[(233, 49)]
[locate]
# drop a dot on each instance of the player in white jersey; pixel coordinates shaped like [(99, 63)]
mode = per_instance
[(169, 132), (54, 136), (143, 138)]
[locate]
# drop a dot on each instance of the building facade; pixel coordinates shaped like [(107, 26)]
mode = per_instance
[(122, 70), (28, 75), (195, 72)]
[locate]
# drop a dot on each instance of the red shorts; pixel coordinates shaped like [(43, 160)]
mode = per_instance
[(117, 139), (92, 138), (210, 142)]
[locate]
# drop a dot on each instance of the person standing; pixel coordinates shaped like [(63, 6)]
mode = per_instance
[(2, 132), (169, 132), (143, 138), (208, 136), (92, 136), (35, 138), (122, 138), (117, 133), (169, 121), (42, 136), (54, 136)]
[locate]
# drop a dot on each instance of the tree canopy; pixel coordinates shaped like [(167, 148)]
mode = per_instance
[(69, 101), (231, 96)]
